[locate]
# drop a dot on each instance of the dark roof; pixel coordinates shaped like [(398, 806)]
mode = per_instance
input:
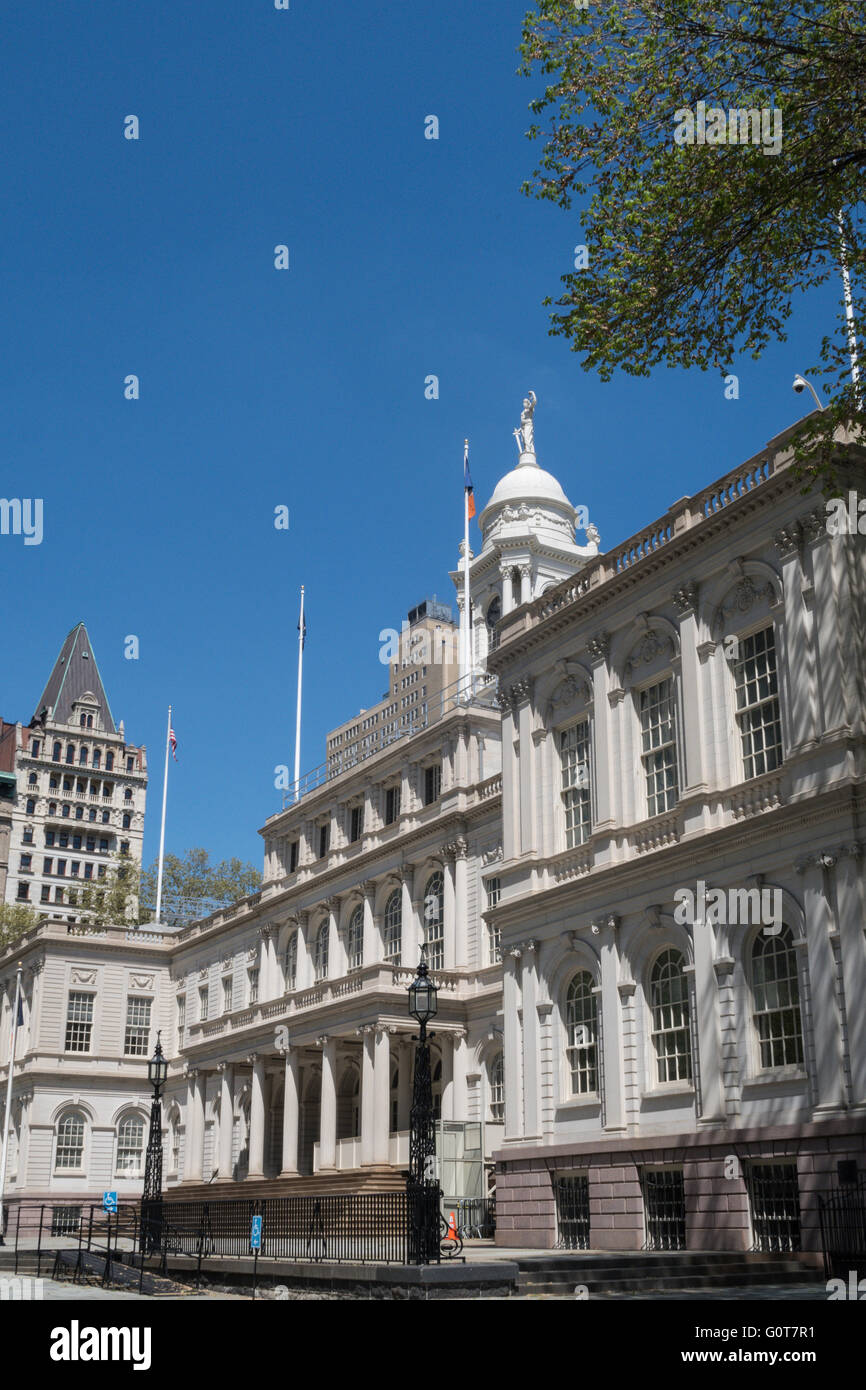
[(75, 673)]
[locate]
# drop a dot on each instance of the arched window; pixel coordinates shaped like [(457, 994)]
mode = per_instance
[(56, 752), (669, 1006), (32, 780), (393, 927), (497, 1089), (70, 1142), (130, 1146), (494, 613), (355, 939), (97, 757), (320, 953), (291, 962), (434, 920), (581, 1030), (127, 821), (82, 756), (174, 1141), (83, 721), (90, 721), (776, 994), (30, 808)]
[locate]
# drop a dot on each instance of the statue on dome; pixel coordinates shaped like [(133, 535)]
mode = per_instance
[(525, 436)]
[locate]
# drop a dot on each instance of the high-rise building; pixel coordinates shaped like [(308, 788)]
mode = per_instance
[(74, 787)]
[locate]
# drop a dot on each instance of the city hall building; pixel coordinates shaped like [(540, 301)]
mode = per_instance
[(630, 838)]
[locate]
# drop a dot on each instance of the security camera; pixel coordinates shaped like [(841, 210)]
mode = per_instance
[(799, 384)]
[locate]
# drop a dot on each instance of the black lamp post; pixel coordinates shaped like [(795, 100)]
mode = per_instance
[(151, 1202), (423, 1185)]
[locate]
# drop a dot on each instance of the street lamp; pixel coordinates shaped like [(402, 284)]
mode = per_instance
[(423, 1184), (151, 1202)]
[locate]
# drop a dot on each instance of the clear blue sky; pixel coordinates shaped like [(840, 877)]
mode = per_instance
[(305, 387)]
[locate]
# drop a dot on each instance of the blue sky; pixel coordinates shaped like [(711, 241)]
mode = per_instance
[(304, 387)]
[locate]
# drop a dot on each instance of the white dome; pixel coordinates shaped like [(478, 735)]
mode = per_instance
[(528, 483)]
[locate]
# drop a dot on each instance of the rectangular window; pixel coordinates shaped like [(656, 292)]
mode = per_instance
[(493, 888), (293, 856), (757, 691), (227, 995), (66, 1221), (27, 837), (574, 761), (79, 1022), (658, 726), (392, 804), (355, 818), (774, 1197), (63, 841), (253, 979), (137, 1036), (76, 842), (61, 867), (664, 1208), (432, 783), (324, 831), (572, 1211), (27, 863), (202, 1004), (75, 868), (44, 893), (181, 1017), (88, 871), (23, 892), (49, 839), (35, 748)]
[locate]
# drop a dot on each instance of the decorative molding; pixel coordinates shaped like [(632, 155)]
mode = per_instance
[(814, 525), (491, 856), (685, 598), (787, 539), (599, 646), (78, 976), (651, 646), (141, 981), (609, 921)]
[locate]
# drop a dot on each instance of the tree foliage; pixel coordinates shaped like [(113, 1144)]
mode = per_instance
[(696, 251), (193, 882), (15, 920), (110, 900)]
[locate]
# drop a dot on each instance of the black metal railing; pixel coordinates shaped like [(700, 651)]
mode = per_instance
[(476, 1218), (665, 1208), (572, 1212), (843, 1230), (43, 1230), (362, 1227)]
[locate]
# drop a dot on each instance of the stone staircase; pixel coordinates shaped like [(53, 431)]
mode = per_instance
[(648, 1271), (382, 1178)]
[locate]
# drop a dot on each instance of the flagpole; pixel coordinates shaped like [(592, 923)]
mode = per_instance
[(162, 827), (467, 637), (849, 313), (8, 1115), (300, 688)]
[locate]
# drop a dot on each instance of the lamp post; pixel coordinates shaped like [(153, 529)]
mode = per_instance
[(151, 1202), (423, 1183)]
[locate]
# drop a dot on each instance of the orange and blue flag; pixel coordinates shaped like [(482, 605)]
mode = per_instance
[(467, 483)]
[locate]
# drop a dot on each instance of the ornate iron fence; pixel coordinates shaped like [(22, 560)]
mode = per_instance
[(843, 1230)]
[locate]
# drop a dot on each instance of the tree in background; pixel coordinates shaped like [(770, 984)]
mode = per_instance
[(110, 900), (15, 920), (694, 251), (192, 886)]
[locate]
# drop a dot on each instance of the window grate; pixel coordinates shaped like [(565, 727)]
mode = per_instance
[(65, 1221), (572, 1212), (774, 1198), (664, 1208)]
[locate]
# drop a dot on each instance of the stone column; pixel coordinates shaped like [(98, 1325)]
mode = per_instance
[(446, 1041), (405, 1082), (801, 642), (328, 1119), (458, 1079), (291, 1112), (694, 732), (849, 899), (507, 594), (525, 583), (599, 648), (611, 1041), (408, 945), (512, 1045), (304, 973), (381, 1093), (709, 1037), (449, 905), (264, 964), (531, 1077), (337, 963), (226, 1122), (368, 1098), (461, 904), (527, 811), (826, 1023), (257, 1117), (371, 954), (194, 1156)]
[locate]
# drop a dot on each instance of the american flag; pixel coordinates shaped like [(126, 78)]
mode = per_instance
[(173, 741)]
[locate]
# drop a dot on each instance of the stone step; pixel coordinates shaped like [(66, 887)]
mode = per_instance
[(381, 1178)]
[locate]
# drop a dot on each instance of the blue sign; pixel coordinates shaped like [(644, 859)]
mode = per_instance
[(109, 1201), (256, 1234)]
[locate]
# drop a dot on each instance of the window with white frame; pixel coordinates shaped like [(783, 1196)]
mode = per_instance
[(202, 1004), (393, 927), (69, 1154), (669, 1008), (181, 1018), (434, 920), (581, 1031), (392, 804), (291, 961), (174, 1142), (253, 985), (355, 939), (575, 791), (757, 691), (493, 890), (658, 725), (79, 1022), (137, 1035), (776, 998), (130, 1146), (432, 783), (497, 1089), (320, 952), (227, 994), (356, 823)]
